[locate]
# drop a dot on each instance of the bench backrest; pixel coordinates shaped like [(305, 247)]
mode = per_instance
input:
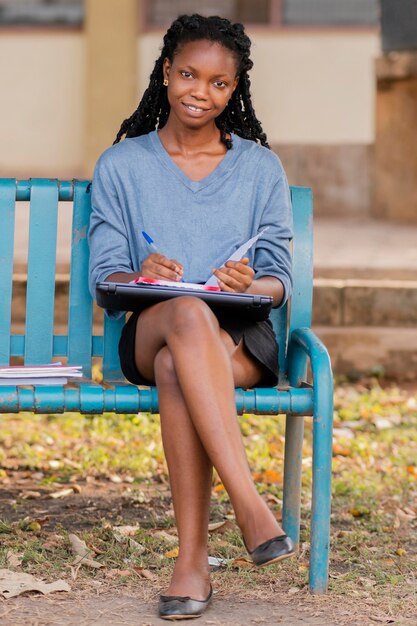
[(39, 344)]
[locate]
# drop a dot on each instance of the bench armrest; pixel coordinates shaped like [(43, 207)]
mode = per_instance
[(304, 347)]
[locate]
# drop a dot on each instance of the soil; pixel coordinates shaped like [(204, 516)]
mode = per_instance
[(102, 602)]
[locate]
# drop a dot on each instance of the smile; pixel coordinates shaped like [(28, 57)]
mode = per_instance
[(195, 109)]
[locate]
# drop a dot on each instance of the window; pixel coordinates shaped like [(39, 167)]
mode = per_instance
[(41, 12), (282, 13), (330, 12), (163, 12)]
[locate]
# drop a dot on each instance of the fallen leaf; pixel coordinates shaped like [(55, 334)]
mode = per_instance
[(172, 554), (62, 493), (144, 573), (14, 560), (401, 552), (360, 511), (293, 590), (162, 534), (79, 547), (33, 525), (31, 495), (135, 546), (221, 527), (242, 563), (112, 573), (14, 584), (121, 532), (339, 450)]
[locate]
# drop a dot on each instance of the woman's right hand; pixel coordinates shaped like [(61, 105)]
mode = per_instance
[(158, 266)]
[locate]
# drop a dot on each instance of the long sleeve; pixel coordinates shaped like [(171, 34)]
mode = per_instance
[(108, 239), (273, 254)]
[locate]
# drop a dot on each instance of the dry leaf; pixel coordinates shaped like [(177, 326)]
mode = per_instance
[(121, 532), (401, 552), (62, 493), (221, 527), (162, 534), (79, 547), (172, 554), (31, 495), (145, 573), (14, 560), (293, 590), (13, 584), (242, 563)]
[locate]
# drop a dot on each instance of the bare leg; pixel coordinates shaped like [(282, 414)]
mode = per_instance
[(204, 370), (190, 474)]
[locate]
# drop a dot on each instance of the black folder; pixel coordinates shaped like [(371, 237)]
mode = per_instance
[(134, 297)]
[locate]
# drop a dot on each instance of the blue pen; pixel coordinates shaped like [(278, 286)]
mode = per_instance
[(152, 245), (150, 241)]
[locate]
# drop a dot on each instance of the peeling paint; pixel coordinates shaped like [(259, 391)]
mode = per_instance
[(79, 234)]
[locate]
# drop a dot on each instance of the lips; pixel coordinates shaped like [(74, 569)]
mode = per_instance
[(193, 108)]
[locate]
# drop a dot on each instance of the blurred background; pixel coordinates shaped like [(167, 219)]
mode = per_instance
[(327, 81), (334, 84)]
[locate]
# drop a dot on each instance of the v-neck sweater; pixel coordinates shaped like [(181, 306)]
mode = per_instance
[(137, 186)]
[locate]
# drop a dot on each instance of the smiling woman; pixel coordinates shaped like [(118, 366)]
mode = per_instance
[(195, 171)]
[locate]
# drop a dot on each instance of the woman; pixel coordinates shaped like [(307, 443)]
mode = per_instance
[(195, 172)]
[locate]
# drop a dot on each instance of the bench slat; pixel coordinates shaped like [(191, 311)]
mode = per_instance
[(7, 217), (302, 297), (41, 271), (80, 315), (111, 361)]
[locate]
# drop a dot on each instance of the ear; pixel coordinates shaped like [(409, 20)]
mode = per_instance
[(166, 68), (235, 82)]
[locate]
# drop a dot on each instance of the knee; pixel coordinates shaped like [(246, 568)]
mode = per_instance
[(164, 367), (190, 313)]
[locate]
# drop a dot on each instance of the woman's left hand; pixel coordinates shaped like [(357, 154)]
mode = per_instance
[(235, 276)]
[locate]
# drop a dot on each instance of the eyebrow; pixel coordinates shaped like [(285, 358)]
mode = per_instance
[(193, 69)]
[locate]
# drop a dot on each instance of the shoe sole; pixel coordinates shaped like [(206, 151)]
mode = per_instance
[(278, 558), (173, 618)]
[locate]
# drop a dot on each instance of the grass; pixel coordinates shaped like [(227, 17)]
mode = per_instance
[(117, 464)]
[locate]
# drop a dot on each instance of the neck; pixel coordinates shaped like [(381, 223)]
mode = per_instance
[(188, 140)]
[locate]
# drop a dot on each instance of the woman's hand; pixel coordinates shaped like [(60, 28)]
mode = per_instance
[(158, 266), (236, 276)]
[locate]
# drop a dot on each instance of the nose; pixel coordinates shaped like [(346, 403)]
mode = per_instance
[(200, 90)]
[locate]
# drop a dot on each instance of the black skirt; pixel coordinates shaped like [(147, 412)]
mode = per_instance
[(258, 337)]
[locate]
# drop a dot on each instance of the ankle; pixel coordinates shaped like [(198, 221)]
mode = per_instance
[(258, 525)]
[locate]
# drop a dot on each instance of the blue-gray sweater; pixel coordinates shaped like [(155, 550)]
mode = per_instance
[(137, 186)]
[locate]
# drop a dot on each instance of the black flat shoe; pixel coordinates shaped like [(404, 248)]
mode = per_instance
[(272, 551), (182, 607)]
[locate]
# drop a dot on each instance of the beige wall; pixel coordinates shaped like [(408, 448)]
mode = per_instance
[(308, 89), (41, 104)]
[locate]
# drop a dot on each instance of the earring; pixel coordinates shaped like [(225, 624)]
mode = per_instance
[(165, 83)]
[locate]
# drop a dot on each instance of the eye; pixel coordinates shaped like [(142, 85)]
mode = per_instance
[(220, 84), (186, 74)]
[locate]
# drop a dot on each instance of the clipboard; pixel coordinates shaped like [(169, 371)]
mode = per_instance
[(135, 297)]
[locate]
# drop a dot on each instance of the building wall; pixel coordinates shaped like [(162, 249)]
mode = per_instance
[(42, 104), (314, 93)]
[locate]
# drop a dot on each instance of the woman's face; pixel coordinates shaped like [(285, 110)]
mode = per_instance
[(202, 78)]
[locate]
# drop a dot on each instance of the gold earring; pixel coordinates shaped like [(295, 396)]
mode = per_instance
[(165, 83)]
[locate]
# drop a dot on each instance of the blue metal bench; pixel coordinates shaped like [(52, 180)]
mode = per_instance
[(299, 347)]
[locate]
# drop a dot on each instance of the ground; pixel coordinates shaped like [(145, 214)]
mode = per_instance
[(93, 477)]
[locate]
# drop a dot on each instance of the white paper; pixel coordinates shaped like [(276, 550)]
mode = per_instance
[(238, 254)]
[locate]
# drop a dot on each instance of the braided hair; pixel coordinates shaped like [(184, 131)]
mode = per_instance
[(238, 116)]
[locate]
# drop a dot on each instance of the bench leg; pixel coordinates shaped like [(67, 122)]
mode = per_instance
[(294, 433), (321, 497)]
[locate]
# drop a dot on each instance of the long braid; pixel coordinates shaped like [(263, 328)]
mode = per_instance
[(238, 117)]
